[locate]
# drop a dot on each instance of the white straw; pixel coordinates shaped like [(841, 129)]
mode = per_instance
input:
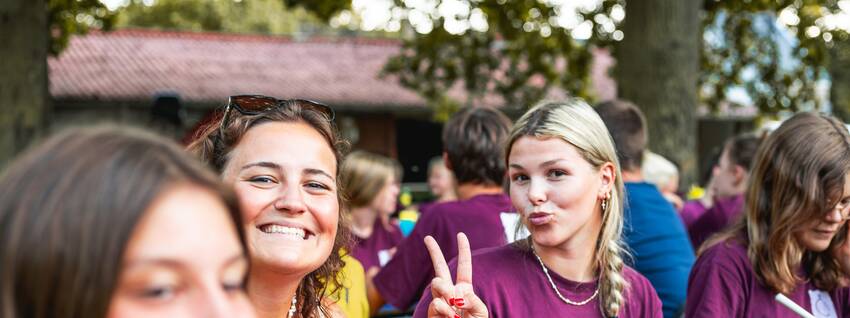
[(793, 306)]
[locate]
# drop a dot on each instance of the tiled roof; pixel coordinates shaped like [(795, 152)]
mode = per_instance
[(133, 65)]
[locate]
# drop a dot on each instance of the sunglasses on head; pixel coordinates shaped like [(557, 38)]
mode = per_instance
[(257, 104)]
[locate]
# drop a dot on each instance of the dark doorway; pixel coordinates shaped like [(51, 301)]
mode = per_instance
[(417, 142)]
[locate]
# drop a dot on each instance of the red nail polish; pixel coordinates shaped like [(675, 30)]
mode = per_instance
[(451, 301), (456, 316), (459, 302)]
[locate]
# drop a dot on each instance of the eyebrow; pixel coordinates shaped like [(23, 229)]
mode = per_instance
[(272, 165), (312, 171), (550, 162), (544, 164), (264, 164)]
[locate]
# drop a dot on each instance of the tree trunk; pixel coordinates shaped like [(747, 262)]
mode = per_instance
[(24, 99), (839, 73), (657, 68)]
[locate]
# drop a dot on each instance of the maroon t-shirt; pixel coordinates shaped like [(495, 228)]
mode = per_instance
[(511, 283), (719, 216), (403, 279), (691, 211), (723, 284), (374, 251)]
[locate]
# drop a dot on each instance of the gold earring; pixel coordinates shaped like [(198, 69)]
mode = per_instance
[(605, 201)]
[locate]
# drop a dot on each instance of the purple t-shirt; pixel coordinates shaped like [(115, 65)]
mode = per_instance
[(403, 279), (375, 250), (691, 211), (723, 213), (723, 284), (511, 283)]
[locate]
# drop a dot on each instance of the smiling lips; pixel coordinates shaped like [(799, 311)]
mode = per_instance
[(825, 232), (284, 230)]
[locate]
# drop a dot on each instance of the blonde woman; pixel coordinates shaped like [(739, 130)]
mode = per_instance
[(371, 182), (565, 181), (793, 237)]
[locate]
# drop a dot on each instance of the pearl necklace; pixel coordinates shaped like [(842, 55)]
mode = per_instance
[(564, 299)]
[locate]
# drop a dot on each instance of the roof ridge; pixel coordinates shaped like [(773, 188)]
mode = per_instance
[(242, 37)]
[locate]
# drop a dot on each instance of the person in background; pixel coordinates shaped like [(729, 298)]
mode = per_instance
[(664, 175), (441, 181), (371, 183), (109, 222), (792, 239), (565, 182), (653, 232), (282, 158), (723, 204), (700, 196), (473, 139)]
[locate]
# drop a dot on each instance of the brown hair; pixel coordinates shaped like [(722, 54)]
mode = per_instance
[(364, 174), (798, 169), (68, 208), (214, 148), (742, 150), (627, 126), (474, 140)]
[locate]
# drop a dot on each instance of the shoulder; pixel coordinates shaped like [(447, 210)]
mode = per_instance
[(723, 264), (640, 289), (352, 265), (641, 189), (727, 252), (721, 281), (641, 298)]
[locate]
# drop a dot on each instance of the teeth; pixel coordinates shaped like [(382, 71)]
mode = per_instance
[(279, 229)]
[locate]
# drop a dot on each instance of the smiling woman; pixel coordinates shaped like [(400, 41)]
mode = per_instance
[(282, 158), (109, 222)]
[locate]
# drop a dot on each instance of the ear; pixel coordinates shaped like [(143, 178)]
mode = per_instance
[(608, 178), (740, 174), (447, 162)]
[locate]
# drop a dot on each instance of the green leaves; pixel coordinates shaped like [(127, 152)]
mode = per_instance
[(522, 55), (67, 17)]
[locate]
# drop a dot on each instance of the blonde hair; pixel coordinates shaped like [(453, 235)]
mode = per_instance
[(363, 175), (797, 172), (575, 122)]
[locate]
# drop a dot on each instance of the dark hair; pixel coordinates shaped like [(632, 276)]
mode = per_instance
[(214, 148), (68, 208), (797, 171), (627, 126), (474, 139), (742, 149)]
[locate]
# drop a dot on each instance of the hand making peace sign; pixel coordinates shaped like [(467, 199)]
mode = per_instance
[(457, 299)]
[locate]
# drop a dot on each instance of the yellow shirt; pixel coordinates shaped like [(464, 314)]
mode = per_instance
[(351, 298)]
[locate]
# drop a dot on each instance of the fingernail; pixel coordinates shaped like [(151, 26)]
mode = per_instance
[(459, 302), (456, 316), (452, 301)]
